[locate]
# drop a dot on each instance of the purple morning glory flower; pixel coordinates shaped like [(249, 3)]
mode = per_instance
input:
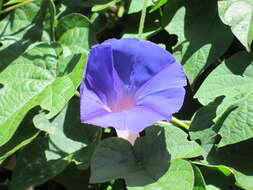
[(130, 84)]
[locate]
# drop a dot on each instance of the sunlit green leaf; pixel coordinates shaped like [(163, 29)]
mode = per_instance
[(23, 27), (158, 4), (234, 81), (137, 5), (238, 15), (179, 170), (33, 80), (74, 33), (69, 135), (198, 44)]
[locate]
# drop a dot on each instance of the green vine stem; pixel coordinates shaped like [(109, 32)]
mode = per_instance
[(176, 122), (142, 20), (179, 122), (15, 6)]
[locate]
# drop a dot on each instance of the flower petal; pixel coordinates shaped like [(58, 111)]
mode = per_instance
[(134, 120), (136, 61), (170, 77), (100, 75), (165, 102), (90, 104), (164, 93), (130, 84)]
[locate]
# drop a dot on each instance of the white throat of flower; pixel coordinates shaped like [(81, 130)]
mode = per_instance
[(127, 135)]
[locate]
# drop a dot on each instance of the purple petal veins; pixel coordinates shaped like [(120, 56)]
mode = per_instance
[(130, 84)]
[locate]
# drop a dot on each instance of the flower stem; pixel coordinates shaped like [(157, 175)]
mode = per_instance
[(180, 123), (15, 6), (142, 20)]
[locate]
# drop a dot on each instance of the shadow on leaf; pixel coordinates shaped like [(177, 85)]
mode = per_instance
[(142, 164), (33, 33)]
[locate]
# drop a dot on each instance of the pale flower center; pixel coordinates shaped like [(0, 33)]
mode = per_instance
[(123, 103)]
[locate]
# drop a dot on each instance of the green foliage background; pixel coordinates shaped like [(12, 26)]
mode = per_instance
[(43, 51)]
